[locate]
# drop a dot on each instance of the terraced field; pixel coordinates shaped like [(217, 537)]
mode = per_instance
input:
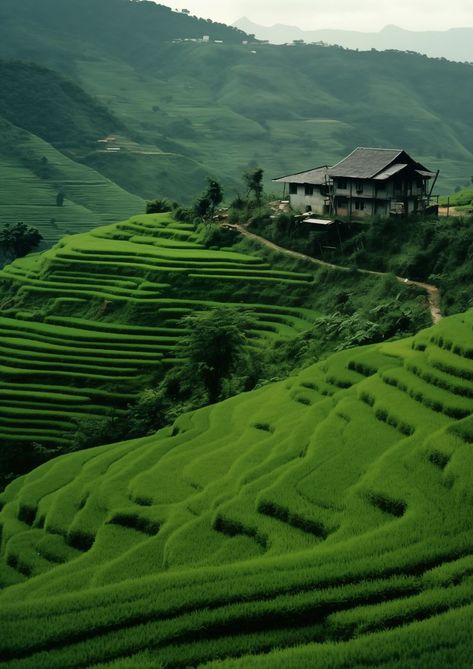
[(33, 172), (323, 521), (89, 323)]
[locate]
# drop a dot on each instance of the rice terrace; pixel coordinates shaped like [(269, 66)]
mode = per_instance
[(236, 336)]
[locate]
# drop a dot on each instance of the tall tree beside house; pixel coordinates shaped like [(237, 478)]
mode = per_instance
[(215, 195), (254, 184), (207, 203)]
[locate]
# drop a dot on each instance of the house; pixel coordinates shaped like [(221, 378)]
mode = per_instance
[(368, 182)]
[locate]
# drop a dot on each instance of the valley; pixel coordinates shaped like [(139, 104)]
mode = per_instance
[(186, 110), (236, 422)]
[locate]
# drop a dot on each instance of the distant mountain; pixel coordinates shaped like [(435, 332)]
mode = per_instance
[(189, 110), (124, 29), (455, 44)]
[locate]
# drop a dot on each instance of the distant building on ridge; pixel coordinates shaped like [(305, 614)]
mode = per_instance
[(366, 183)]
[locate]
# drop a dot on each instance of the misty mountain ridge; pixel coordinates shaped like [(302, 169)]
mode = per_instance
[(454, 44)]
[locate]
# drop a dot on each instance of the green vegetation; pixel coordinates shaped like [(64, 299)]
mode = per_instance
[(52, 107), (18, 240), (90, 324), (34, 174), (434, 250), (462, 200), (189, 110), (322, 521)]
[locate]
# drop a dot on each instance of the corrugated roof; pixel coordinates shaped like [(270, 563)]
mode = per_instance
[(314, 177), (318, 221), (365, 163), (391, 171)]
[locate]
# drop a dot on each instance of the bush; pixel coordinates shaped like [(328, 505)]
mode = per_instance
[(158, 206)]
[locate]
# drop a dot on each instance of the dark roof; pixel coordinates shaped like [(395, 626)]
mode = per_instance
[(314, 177), (365, 163), (362, 163), (390, 171)]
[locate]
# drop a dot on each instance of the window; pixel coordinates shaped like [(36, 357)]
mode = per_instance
[(359, 186), (359, 205), (309, 190), (342, 184), (292, 189)]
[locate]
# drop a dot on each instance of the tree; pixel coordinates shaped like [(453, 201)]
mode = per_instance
[(215, 347), (202, 207), (209, 200), (60, 197), (16, 240), (157, 206), (214, 194), (254, 184)]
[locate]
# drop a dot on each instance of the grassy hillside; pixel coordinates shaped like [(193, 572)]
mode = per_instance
[(88, 324), (33, 173), (196, 109), (52, 107), (325, 519), (435, 250), (45, 120), (462, 200)]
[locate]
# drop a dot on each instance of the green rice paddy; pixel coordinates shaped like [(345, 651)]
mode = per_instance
[(89, 323), (323, 521), (28, 195)]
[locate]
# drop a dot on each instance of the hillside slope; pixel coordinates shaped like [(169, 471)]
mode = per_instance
[(52, 107), (89, 323), (33, 173), (332, 507), (45, 122), (196, 109)]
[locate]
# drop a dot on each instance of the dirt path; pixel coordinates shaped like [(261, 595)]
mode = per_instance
[(433, 293)]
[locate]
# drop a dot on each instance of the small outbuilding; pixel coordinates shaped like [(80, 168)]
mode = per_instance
[(366, 183)]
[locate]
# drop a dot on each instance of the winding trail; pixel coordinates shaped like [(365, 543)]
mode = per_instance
[(433, 293)]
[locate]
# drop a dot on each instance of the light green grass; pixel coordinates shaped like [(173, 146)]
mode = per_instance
[(324, 519), (100, 311)]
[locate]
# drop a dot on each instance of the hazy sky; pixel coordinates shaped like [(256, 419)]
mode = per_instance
[(346, 14)]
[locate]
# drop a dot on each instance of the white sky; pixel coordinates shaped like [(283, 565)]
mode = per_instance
[(366, 15)]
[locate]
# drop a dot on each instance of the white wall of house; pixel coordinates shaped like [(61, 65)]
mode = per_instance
[(361, 198), (302, 202)]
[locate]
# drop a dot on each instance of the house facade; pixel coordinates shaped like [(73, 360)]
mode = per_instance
[(366, 183)]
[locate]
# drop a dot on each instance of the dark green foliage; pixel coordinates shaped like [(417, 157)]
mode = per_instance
[(148, 413), (95, 432), (215, 348), (431, 250), (158, 206), (202, 207), (206, 204), (439, 251), (254, 183), (18, 240), (52, 107)]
